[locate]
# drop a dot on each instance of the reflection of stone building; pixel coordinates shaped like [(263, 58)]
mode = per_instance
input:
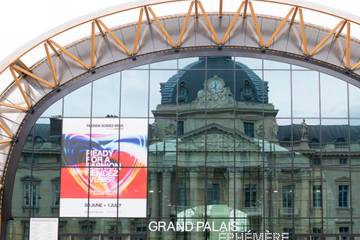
[(216, 152), (232, 153), (37, 188)]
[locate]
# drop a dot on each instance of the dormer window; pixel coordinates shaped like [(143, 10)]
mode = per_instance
[(180, 128), (249, 129), (182, 93)]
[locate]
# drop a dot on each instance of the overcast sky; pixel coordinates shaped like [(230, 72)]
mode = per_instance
[(23, 20)]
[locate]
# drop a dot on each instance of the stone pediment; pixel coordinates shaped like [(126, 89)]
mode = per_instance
[(342, 179), (216, 138)]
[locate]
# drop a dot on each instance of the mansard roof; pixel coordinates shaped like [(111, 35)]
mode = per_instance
[(329, 133), (192, 79)]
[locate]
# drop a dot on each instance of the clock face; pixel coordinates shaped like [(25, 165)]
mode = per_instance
[(215, 85)]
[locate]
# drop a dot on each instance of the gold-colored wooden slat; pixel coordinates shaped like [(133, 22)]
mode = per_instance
[(355, 66), (162, 28), (100, 28), (186, 22), (137, 33), (69, 54), (348, 38), (22, 92), (297, 36), (340, 48), (220, 8), (114, 37), (27, 89), (5, 141), (22, 64), (33, 76), (256, 24), (50, 62), (341, 29), (323, 41), (53, 48), (232, 23), (196, 9), (294, 15), (279, 27), (15, 106), (303, 34), (92, 50), (147, 15), (208, 23), (245, 8), (6, 129)]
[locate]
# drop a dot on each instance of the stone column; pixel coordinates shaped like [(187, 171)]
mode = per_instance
[(195, 199), (166, 202), (154, 201), (231, 188), (195, 202), (239, 192)]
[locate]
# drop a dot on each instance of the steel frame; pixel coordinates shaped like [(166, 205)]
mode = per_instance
[(50, 79)]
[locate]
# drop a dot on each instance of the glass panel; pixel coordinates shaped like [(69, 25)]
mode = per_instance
[(279, 91), (45, 170), (70, 188), (106, 96), (333, 106), (354, 101), (105, 226), (78, 103), (159, 193), (305, 94), (163, 91), (192, 181), (103, 189), (169, 64), (190, 89), (18, 228), (134, 93), (132, 229), (54, 110), (191, 150), (76, 226), (335, 138), (268, 65), (190, 62), (249, 196), (162, 142), (252, 63)]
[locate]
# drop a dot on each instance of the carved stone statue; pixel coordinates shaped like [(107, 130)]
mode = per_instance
[(260, 131), (274, 130), (247, 93), (183, 93), (170, 130), (155, 132), (304, 130)]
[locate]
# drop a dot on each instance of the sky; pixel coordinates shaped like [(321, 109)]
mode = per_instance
[(22, 20)]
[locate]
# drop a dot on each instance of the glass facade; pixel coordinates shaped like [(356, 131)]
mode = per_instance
[(269, 145)]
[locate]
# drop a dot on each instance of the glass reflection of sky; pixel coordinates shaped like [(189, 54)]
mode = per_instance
[(301, 93)]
